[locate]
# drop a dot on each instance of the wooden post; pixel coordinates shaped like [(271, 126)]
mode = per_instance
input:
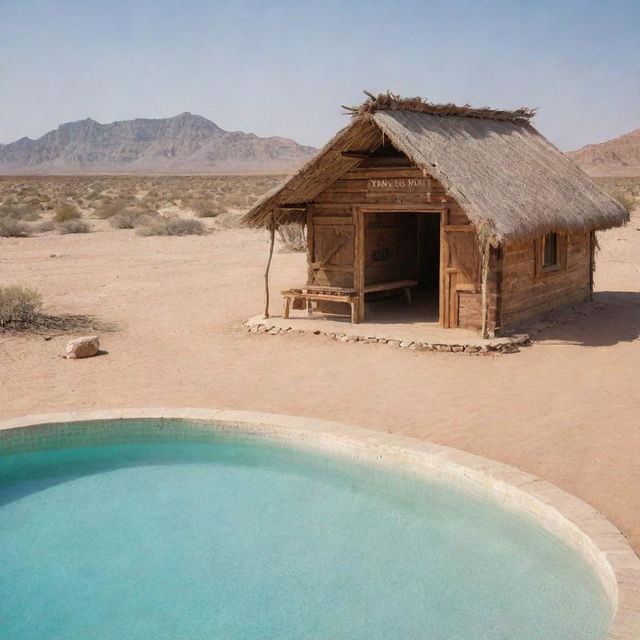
[(443, 287), (485, 288), (592, 261), (358, 261), (311, 251), (272, 237)]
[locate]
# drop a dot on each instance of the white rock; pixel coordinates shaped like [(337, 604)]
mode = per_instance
[(84, 347)]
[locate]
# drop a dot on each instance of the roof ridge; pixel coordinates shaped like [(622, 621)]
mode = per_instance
[(390, 101)]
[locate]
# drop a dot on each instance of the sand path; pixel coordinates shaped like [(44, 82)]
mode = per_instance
[(567, 409)]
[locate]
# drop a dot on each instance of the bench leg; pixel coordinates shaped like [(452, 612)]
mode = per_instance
[(407, 293), (309, 308), (287, 306), (355, 311)]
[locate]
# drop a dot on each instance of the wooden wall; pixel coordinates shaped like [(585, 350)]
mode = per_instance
[(527, 294), (516, 293), (395, 181), (391, 247)]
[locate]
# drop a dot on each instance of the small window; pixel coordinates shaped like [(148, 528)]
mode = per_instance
[(550, 253), (550, 250)]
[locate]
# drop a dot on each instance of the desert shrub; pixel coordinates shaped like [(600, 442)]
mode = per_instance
[(18, 304), (292, 238), (44, 226), (124, 220), (66, 212), (229, 220), (128, 218), (185, 227), (111, 208), (170, 226), (19, 212), (205, 208), (74, 225), (12, 228), (153, 226), (626, 200)]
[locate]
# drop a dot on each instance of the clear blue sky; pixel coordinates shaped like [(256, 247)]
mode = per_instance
[(283, 67)]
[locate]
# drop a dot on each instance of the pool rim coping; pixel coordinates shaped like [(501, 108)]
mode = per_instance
[(576, 523)]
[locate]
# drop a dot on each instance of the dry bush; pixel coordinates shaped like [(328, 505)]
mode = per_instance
[(129, 218), (44, 226), (292, 238), (19, 212), (205, 208), (74, 225), (171, 226), (124, 220), (11, 228), (66, 212), (626, 200), (18, 304), (208, 196), (111, 208)]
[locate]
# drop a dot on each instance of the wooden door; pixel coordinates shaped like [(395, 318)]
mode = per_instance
[(331, 251), (460, 274)]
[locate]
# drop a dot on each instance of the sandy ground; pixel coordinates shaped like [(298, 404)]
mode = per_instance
[(567, 409)]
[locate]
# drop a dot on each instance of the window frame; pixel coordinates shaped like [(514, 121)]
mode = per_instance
[(560, 266)]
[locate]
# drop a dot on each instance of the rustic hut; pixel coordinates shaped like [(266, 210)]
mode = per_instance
[(472, 210)]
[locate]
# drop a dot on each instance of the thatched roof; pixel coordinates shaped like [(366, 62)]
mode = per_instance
[(512, 183), (391, 102)]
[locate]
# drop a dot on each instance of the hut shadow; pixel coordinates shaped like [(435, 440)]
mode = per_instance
[(610, 318)]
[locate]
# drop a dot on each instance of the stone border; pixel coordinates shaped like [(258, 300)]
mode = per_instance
[(506, 344), (576, 523)]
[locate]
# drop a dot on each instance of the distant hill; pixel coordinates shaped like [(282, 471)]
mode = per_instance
[(183, 144), (617, 157)]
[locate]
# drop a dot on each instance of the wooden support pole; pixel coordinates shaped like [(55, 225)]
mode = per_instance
[(485, 289), (359, 261), (272, 237), (592, 261)]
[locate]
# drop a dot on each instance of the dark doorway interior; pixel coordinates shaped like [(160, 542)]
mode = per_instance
[(428, 251), (399, 246)]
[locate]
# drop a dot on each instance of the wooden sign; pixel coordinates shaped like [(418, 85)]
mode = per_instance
[(399, 184)]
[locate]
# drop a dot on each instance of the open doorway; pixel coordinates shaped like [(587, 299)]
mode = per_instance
[(402, 247)]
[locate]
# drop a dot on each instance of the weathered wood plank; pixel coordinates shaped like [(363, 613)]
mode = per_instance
[(527, 294)]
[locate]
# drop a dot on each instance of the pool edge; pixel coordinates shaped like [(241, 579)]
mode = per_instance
[(572, 520)]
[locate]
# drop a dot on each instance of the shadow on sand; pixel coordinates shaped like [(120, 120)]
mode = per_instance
[(610, 318)]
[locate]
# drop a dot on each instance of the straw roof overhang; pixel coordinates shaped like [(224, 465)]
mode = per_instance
[(283, 204), (512, 183)]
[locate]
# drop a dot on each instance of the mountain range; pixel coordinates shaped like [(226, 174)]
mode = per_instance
[(186, 143), (189, 143), (617, 157)]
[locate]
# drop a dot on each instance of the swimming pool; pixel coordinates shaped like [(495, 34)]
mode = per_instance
[(169, 529)]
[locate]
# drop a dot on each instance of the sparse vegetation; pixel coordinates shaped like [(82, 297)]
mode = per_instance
[(11, 228), (128, 202), (292, 238), (18, 305), (626, 200), (44, 226), (74, 225), (128, 218), (66, 212), (171, 226), (23, 212)]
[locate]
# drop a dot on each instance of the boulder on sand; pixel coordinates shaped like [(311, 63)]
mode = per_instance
[(84, 347)]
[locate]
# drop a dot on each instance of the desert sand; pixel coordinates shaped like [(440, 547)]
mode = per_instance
[(566, 409)]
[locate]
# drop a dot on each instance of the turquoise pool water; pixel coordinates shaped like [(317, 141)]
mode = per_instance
[(230, 537)]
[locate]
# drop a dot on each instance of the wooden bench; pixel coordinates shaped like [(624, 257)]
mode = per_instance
[(407, 285), (316, 293)]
